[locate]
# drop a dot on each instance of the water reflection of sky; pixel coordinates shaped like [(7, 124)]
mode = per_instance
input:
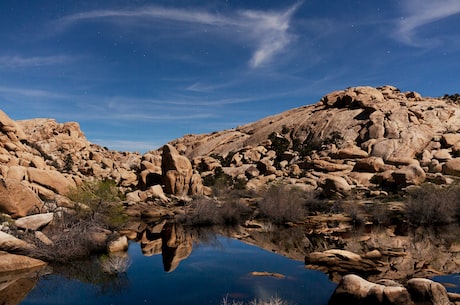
[(213, 270)]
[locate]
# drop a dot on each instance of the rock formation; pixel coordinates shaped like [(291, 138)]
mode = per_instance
[(371, 137), (353, 290)]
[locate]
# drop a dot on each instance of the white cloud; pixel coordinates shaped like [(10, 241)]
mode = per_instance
[(34, 93), (21, 62), (127, 145), (267, 32), (421, 13)]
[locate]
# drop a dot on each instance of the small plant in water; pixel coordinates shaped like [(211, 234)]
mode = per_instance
[(272, 301)]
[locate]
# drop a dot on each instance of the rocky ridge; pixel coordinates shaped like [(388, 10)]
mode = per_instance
[(359, 138)]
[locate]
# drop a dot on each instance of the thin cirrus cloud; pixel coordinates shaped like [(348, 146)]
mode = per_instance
[(423, 13), (267, 31), (9, 62)]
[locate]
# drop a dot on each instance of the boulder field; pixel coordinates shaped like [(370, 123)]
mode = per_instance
[(361, 138)]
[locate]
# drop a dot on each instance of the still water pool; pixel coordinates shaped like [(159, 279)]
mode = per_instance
[(214, 270)]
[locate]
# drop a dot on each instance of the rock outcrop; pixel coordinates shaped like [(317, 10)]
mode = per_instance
[(393, 139), (177, 172), (353, 290)]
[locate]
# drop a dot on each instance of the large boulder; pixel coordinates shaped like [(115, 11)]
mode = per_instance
[(16, 199), (176, 171), (409, 175), (354, 290), (52, 180), (425, 291), (341, 261), (335, 187), (452, 167), (11, 128), (12, 244), (12, 262), (34, 222)]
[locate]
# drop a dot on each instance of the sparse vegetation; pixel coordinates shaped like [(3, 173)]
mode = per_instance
[(283, 203), (430, 205), (86, 229), (68, 163), (452, 97), (279, 144), (209, 212), (272, 301), (335, 138)]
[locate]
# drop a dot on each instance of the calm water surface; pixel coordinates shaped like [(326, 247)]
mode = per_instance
[(214, 270)]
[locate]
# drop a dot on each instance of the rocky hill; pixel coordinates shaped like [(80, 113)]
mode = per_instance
[(361, 137)]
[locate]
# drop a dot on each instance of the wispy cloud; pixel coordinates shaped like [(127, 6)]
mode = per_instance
[(10, 62), (126, 145), (421, 13), (33, 93), (267, 31)]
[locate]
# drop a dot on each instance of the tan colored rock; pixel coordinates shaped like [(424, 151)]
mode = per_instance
[(326, 166), (452, 167), (442, 155), (38, 162), (196, 185), (10, 127), (17, 173), (427, 291), (335, 187), (177, 171), (252, 172), (154, 191), (351, 153), (133, 196), (120, 244), (12, 244), (128, 178), (409, 175), (52, 180), (354, 290), (341, 261), (43, 238), (16, 199), (450, 139), (12, 262), (34, 222), (371, 165)]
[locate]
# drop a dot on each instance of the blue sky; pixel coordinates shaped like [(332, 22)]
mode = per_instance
[(137, 74)]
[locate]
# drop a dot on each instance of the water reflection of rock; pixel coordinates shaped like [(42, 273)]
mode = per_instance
[(336, 248), (373, 253), (15, 286), (169, 239)]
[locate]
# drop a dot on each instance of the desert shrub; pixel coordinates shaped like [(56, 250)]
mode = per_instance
[(209, 212), (430, 205), (279, 144), (283, 203), (84, 230), (335, 138), (68, 163), (222, 184), (99, 199)]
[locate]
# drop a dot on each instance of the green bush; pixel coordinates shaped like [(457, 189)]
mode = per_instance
[(100, 199)]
